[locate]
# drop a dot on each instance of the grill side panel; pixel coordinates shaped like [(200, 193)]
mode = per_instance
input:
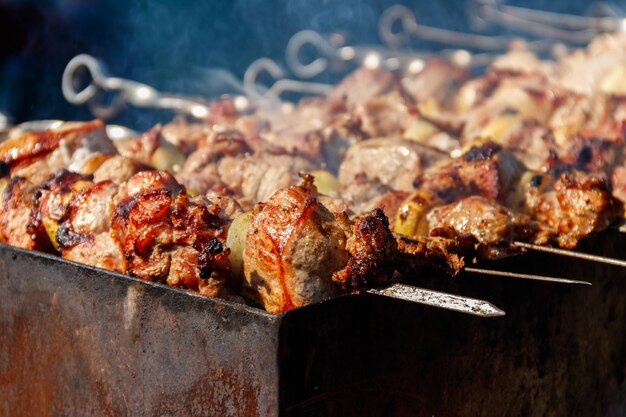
[(76, 341)]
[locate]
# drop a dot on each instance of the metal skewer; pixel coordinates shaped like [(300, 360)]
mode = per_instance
[(126, 91), (565, 27), (369, 56), (565, 252), (525, 276), (498, 11), (257, 93), (408, 27), (438, 299)]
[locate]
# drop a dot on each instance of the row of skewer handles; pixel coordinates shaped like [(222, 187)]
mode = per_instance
[(397, 26), (398, 30)]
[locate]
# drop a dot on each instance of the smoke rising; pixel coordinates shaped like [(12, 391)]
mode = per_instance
[(194, 47)]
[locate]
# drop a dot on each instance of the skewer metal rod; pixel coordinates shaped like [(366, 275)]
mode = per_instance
[(438, 299), (525, 276), (570, 253), (569, 21)]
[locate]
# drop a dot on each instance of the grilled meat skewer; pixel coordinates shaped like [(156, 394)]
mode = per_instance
[(487, 193), (548, 185)]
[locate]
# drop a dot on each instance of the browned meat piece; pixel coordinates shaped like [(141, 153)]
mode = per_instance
[(257, 177), (590, 154), (577, 205), (376, 100), (185, 135), (52, 199), (297, 252), (215, 148), (587, 70), (373, 251), (118, 169), (141, 147), (386, 115), (390, 204), (362, 85), (446, 251), (84, 233), (317, 129), (395, 163), (229, 207), (589, 205), (293, 246), (491, 224), (486, 170), (600, 116), (37, 155), (363, 194), (519, 96), (145, 181), (228, 161), (298, 130), (529, 142), (167, 237), (438, 81), (18, 200), (200, 171), (342, 133)]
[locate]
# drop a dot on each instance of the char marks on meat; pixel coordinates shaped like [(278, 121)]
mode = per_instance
[(463, 166), (167, 237), (84, 233), (486, 170), (491, 224), (18, 200), (37, 155), (293, 246), (373, 251)]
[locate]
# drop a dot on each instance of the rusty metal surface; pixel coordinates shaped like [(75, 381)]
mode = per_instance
[(559, 351), (76, 341)]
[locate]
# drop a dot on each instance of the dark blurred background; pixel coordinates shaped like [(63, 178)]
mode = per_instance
[(194, 47)]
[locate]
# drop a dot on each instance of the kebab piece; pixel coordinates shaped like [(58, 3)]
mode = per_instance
[(294, 251), (79, 147), (546, 186), (82, 148), (147, 227), (487, 193)]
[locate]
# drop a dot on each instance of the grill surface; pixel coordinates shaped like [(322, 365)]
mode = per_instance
[(79, 341)]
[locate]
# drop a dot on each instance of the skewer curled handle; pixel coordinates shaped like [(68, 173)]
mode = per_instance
[(126, 91), (71, 77)]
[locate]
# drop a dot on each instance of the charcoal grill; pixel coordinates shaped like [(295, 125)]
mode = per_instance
[(82, 341), (77, 340)]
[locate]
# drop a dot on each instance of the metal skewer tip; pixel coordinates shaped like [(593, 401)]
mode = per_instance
[(565, 252), (438, 299), (525, 276)]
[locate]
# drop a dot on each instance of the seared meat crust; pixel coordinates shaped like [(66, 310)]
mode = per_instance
[(491, 224), (293, 246), (373, 250), (485, 170), (84, 233), (37, 155), (445, 250), (579, 205), (18, 200), (167, 237)]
